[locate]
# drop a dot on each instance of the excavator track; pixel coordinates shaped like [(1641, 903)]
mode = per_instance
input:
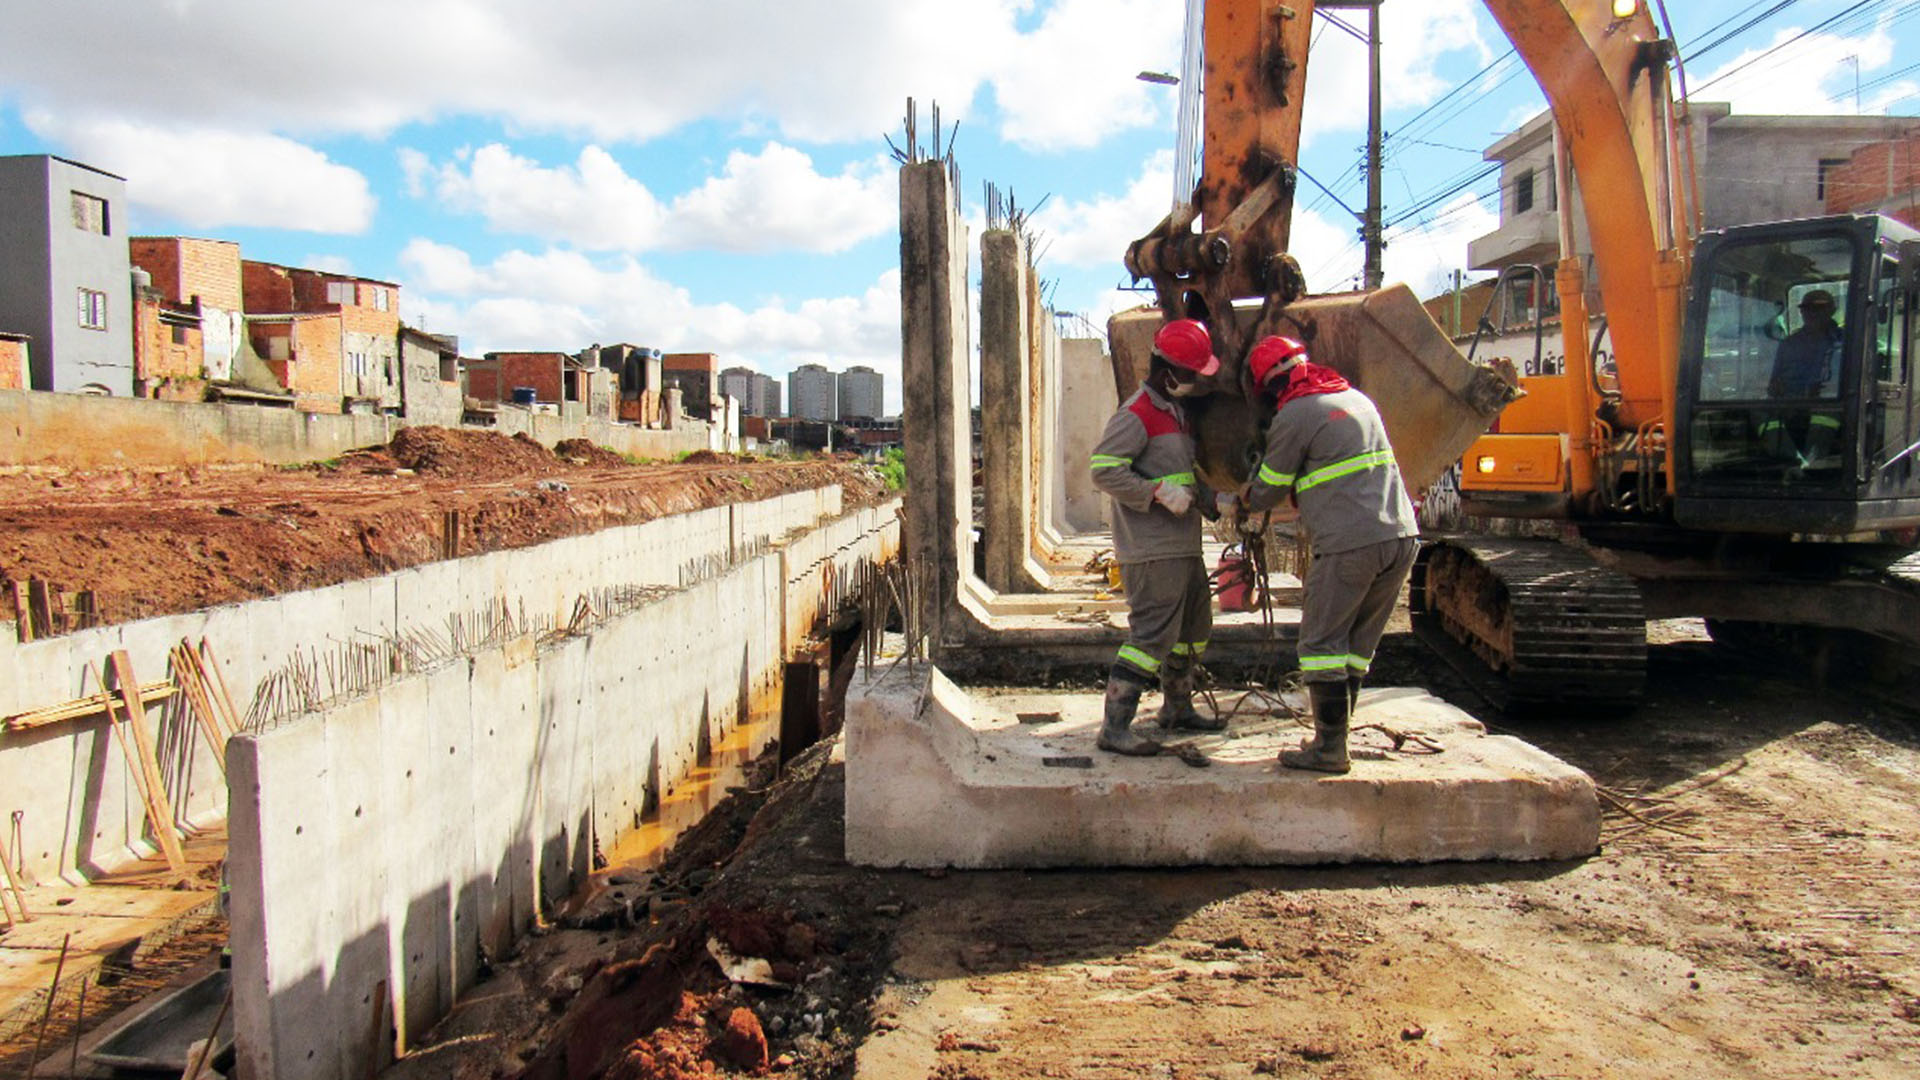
[(1532, 623)]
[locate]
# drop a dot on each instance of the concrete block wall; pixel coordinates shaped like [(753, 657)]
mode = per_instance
[(470, 796), (83, 432), (81, 813)]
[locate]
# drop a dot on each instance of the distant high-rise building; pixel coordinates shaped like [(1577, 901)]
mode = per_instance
[(757, 394), (737, 383), (812, 393), (860, 393)]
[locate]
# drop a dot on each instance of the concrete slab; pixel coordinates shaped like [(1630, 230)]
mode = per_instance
[(940, 776)]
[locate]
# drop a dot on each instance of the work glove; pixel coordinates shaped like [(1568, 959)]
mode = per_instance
[(1177, 498), (1225, 503)]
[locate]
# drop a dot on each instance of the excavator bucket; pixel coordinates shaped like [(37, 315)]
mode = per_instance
[(1434, 402)]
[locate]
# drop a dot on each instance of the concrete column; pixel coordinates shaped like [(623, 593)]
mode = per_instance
[(937, 382), (1044, 377), (1007, 299), (1087, 399)]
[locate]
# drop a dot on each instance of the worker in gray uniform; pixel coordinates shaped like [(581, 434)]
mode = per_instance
[(1144, 462), (1327, 448)]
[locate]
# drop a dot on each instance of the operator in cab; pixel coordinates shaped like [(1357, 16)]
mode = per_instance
[(1327, 451), (1145, 464), (1806, 366)]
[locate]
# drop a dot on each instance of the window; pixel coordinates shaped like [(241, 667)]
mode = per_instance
[(179, 335), (89, 213), (380, 299), (341, 292), (93, 309), (1769, 410), (1523, 192)]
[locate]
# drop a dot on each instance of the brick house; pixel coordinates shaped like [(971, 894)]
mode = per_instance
[(1880, 178), (429, 377), (169, 348), (364, 316), (493, 377), (303, 353), (13, 361), (698, 377), (204, 275)]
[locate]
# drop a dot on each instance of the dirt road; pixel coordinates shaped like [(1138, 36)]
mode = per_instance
[(1764, 927)]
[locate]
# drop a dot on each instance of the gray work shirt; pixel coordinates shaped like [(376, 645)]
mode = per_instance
[(1147, 442), (1331, 451)]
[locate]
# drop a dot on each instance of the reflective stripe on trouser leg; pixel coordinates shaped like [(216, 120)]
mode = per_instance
[(1349, 597), (1168, 602)]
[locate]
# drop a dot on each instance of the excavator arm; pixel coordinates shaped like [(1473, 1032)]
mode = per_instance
[(1223, 258)]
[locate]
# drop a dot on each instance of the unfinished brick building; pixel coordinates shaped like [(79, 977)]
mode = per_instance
[(364, 316), (1881, 178)]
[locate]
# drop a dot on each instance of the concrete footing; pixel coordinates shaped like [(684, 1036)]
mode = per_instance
[(940, 776)]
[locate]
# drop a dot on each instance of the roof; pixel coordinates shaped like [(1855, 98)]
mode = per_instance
[(78, 165), (324, 273)]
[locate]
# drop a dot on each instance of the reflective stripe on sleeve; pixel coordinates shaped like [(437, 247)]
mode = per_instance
[(1822, 420), (1185, 478), (1108, 461), (1376, 460), (1273, 477)]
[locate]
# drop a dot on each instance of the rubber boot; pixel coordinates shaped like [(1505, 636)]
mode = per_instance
[(1176, 700), (1116, 734), (1353, 693), (1327, 750)]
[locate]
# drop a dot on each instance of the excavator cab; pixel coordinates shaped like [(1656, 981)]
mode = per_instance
[(1795, 409)]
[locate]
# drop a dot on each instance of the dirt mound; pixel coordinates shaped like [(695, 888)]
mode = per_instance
[(469, 454), (707, 457), (586, 452)]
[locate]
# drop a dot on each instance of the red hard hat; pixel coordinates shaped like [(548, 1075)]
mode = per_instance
[(1272, 355), (1185, 343)]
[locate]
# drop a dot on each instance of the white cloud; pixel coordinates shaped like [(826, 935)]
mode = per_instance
[(1071, 82), (1413, 43), (208, 178), (330, 264), (1424, 256), (807, 69), (1096, 232), (565, 300), (770, 201), (775, 200), (1813, 76)]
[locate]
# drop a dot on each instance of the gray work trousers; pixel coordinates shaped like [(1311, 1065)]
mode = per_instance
[(1349, 597), (1169, 613)]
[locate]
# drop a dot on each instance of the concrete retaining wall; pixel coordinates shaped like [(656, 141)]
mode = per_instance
[(83, 431), (389, 840), (80, 811)]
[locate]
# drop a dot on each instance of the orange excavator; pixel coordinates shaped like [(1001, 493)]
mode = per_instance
[(1750, 458)]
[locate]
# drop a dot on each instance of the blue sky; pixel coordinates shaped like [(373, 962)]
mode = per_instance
[(713, 176)]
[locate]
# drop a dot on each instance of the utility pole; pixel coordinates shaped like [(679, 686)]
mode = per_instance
[(1375, 241)]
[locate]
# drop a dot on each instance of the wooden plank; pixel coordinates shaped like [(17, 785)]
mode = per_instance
[(22, 615), (13, 887), (219, 684), (144, 760), (40, 604), (186, 669), (81, 708)]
